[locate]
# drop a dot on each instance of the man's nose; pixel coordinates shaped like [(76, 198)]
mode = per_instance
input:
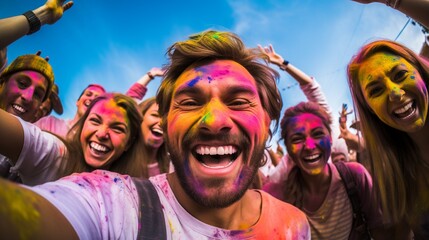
[(27, 93), (216, 118)]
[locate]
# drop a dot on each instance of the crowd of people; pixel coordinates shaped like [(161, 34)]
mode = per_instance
[(191, 162)]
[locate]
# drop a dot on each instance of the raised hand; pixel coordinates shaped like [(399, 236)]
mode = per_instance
[(343, 116), (155, 71), (55, 9), (273, 56)]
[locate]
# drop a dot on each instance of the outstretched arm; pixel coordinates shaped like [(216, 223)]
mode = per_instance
[(13, 28), (416, 9), (26, 215)]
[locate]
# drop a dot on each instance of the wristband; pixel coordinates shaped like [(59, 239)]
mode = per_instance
[(149, 74), (33, 21), (285, 63)]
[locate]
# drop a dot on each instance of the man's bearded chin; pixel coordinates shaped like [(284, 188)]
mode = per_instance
[(219, 196)]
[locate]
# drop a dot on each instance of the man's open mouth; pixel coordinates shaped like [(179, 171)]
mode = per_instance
[(216, 157)]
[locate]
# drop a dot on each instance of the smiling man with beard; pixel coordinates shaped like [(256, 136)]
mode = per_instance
[(217, 102)]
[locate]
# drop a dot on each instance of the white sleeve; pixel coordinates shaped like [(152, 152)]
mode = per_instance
[(314, 93), (40, 156), (281, 171), (99, 205)]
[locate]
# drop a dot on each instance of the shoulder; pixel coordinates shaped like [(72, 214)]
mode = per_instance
[(357, 169), (100, 180), (291, 223), (360, 176), (275, 205)]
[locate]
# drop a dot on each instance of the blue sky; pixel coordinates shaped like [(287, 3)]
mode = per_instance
[(114, 43)]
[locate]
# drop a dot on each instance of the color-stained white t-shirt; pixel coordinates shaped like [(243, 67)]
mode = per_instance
[(104, 205)]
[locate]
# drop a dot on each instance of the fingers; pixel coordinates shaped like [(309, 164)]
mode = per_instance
[(67, 5), (271, 48), (261, 48)]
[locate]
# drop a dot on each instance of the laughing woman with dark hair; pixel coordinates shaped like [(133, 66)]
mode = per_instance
[(106, 137)]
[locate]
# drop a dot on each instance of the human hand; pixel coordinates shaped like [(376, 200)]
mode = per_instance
[(352, 140), (272, 55), (155, 71), (343, 115), (55, 9)]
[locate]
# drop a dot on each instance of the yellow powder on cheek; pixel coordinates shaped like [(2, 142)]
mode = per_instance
[(19, 207)]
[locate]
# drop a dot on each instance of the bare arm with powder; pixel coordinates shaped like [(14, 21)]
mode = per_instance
[(11, 136), (26, 215)]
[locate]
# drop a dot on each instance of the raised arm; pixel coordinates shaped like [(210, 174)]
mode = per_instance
[(308, 85), (352, 140), (138, 89), (26, 215), (13, 28), (416, 9), (278, 60)]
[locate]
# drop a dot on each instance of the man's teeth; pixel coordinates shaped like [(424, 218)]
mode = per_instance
[(312, 157), (404, 109), (99, 147), (222, 150), (18, 108)]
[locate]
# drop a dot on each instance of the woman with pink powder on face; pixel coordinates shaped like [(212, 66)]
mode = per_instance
[(107, 137), (315, 186)]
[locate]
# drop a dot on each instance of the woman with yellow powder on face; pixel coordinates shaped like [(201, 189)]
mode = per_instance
[(389, 86)]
